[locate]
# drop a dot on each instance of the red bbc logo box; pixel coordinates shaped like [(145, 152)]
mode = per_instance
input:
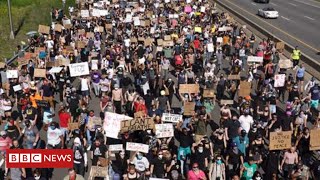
[(39, 158)]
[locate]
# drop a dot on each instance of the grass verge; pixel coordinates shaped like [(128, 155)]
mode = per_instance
[(26, 16)]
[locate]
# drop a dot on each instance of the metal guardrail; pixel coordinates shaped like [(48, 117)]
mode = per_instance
[(314, 65), (11, 60)]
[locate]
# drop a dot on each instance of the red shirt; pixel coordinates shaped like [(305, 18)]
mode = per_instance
[(196, 44), (64, 117), (140, 107)]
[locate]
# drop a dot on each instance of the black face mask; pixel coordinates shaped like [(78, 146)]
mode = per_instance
[(27, 125)]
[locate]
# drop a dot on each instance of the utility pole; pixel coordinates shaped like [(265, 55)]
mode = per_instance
[(10, 19)]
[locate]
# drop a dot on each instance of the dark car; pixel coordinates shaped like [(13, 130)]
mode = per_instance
[(262, 1)]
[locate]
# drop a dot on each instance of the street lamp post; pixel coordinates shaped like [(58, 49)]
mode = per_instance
[(10, 19)]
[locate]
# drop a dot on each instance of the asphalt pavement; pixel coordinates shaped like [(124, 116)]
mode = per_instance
[(298, 22)]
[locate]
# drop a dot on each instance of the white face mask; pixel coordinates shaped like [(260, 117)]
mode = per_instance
[(200, 150), (36, 177), (258, 178)]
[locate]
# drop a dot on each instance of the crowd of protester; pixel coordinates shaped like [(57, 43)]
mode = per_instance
[(216, 141)]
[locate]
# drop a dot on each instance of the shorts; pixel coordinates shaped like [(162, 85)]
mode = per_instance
[(85, 93), (300, 78), (314, 104), (183, 152)]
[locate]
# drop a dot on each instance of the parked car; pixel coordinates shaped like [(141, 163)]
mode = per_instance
[(268, 12), (262, 1)]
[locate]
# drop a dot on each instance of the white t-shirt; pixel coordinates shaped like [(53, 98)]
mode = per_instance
[(53, 136), (49, 44), (84, 84), (246, 122), (141, 164)]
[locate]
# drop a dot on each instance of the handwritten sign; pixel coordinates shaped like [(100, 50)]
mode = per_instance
[(12, 74), (198, 29), (98, 171), (79, 69), (285, 63), (189, 108), (85, 13), (137, 124), (189, 88), (279, 80), (208, 93), (112, 123), (93, 121), (233, 77), (131, 146), (116, 147), (245, 88), (44, 29), (164, 130), (255, 59), (103, 162), (17, 88), (314, 139), (55, 70), (174, 118), (226, 101), (73, 126), (280, 140), (40, 73)]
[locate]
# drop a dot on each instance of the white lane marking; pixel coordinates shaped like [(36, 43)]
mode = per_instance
[(293, 4), (273, 4), (303, 2), (254, 4), (309, 18), (285, 18)]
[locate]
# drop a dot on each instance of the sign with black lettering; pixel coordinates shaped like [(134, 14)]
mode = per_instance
[(137, 124), (79, 69), (280, 140), (42, 103)]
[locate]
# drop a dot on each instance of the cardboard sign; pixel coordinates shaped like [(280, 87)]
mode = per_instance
[(93, 121), (66, 22), (168, 43), (255, 59), (174, 118), (159, 42), (139, 114), (234, 77), (12, 74), (137, 147), (314, 139), (103, 162), (245, 89), (58, 27), (81, 31), (44, 29), (280, 140), (280, 46), (148, 41), (80, 44), (285, 63), (137, 124), (112, 123), (189, 108), (189, 88), (279, 80), (17, 88), (51, 63), (164, 130), (115, 147), (40, 73), (2, 65), (226, 101), (167, 37), (79, 69), (73, 126), (90, 35), (63, 62), (108, 26), (98, 171), (208, 93)]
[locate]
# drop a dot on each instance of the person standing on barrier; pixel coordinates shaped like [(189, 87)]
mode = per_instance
[(296, 54)]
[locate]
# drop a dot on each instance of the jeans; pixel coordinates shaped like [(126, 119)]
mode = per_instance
[(96, 88), (90, 137), (164, 73), (79, 168), (65, 133)]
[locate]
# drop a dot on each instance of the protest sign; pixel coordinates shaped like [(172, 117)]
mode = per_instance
[(80, 44), (226, 101), (189, 108), (73, 126), (112, 123), (42, 103), (66, 22), (285, 63), (139, 114), (93, 121), (2, 65), (55, 70), (210, 47), (167, 43), (40, 73), (280, 140), (189, 88), (198, 29), (115, 147), (98, 171), (280, 46), (167, 37), (131, 146), (94, 64), (208, 93), (63, 62), (225, 28), (17, 88), (79, 69), (58, 27), (234, 77), (174, 118), (255, 59), (84, 13), (12, 74), (137, 124), (103, 162), (245, 88), (219, 39), (164, 130), (279, 80), (314, 139), (44, 29)]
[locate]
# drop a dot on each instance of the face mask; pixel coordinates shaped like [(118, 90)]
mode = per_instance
[(28, 125), (200, 150), (258, 178), (53, 127), (139, 156), (160, 156), (36, 177), (219, 161), (99, 129)]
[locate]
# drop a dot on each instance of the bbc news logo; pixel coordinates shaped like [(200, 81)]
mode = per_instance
[(39, 158)]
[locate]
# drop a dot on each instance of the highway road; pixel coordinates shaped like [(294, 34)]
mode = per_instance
[(298, 22)]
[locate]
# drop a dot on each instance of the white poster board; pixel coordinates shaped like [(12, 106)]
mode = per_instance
[(85, 13), (174, 118), (131, 146), (12, 74), (255, 59), (219, 39), (17, 88), (116, 147), (55, 70), (79, 69), (94, 64), (112, 123), (210, 47), (279, 80), (164, 130)]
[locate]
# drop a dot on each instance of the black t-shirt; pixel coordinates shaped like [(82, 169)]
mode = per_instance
[(158, 164), (74, 101), (233, 127), (233, 157), (316, 168), (98, 151), (275, 126), (185, 140), (78, 152), (199, 158), (30, 113), (286, 123)]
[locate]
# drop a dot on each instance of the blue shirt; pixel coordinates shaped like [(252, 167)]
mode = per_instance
[(242, 143), (300, 72)]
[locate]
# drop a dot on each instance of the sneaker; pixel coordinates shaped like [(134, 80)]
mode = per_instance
[(89, 147)]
